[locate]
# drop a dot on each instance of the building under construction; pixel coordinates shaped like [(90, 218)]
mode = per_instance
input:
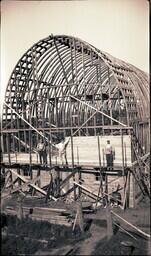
[(65, 87)]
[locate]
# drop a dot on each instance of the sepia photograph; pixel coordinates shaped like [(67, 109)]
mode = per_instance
[(75, 128)]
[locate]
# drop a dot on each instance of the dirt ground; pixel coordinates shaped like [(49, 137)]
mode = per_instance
[(62, 241)]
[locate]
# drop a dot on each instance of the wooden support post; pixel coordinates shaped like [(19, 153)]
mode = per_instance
[(19, 181), (50, 147), (31, 177), (80, 216), (79, 181), (106, 187), (126, 190), (103, 157), (101, 179), (99, 154), (20, 210), (50, 188), (77, 155), (31, 172), (8, 147), (55, 178), (72, 154), (30, 141), (122, 146), (57, 183), (38, 175), (131, 191), (109, 223), (11, 180), (125, 155)]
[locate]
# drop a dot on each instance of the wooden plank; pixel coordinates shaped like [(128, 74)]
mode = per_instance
[(64, 182), (87, 190), (134, 227)]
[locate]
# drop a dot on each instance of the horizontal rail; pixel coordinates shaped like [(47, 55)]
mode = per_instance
[(105, 127)]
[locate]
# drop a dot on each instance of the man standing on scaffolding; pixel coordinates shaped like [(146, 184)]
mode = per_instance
[(109, 155), (62, 150), (41, 148)]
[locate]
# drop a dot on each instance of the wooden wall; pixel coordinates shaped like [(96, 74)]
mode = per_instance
[(86, 150)]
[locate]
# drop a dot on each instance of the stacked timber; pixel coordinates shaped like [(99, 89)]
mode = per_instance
[(51, 215)]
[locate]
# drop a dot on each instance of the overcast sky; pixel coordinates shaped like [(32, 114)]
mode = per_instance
[(119, 27)]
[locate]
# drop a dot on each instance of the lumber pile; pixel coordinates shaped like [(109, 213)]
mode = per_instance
[(51, 215)]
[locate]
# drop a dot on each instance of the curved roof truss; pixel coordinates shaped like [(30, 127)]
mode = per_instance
[(59, 66)]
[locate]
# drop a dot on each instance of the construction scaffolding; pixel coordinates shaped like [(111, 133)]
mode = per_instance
[(65, 87)]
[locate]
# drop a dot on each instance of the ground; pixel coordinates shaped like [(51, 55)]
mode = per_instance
[(62, 241)]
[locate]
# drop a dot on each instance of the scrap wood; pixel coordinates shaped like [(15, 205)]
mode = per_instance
[(22, 186), (32, 185)]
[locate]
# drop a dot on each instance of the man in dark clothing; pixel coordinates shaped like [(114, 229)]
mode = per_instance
[(41, 148), (109, 155)]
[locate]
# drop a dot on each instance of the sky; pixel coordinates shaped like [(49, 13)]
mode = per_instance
[(119, 27)]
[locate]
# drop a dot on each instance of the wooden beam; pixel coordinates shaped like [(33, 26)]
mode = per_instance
[(65, 75), (41, 134), (64, 182), (131, 225), (113, 119), (84, 123), (87, 190), (124, 230), (24, 144), (25, 120), (55, 129), (142, 158)]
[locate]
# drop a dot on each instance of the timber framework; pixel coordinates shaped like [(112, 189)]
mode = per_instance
[(65, 87)]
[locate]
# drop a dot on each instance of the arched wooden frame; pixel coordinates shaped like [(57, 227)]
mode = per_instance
[(50, 71)]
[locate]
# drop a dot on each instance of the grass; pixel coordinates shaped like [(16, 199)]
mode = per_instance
[(113, 246), (54, 234)]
